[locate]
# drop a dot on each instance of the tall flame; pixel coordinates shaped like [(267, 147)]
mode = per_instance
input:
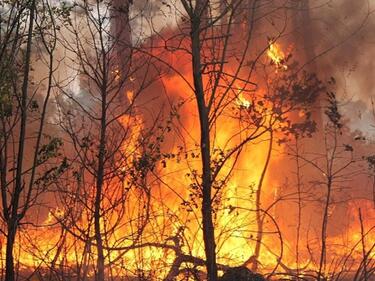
[(236, 217)]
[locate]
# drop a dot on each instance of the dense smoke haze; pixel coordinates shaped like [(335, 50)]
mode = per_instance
[(344, 38), (341, 39), (218, 140)]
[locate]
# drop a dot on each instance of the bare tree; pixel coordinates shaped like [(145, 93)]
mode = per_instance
[(25, 175), (222, 77), (114, 148), (335, 164)]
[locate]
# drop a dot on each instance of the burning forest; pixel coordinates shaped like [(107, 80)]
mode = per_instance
[(219, 140)]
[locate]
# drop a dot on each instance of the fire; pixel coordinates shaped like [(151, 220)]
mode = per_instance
[(116, 74), (242, 101), (235, 204), (130, 95), (54, 215), (277, 56), (235, 217)]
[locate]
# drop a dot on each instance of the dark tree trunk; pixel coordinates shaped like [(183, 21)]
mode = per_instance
[(9, 263), (100, 175), (322, 261), (99, 194), (207, 220), (101, 162), (14, 217)]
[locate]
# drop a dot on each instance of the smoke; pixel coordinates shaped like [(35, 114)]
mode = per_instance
[(151, 17), (344, 45)]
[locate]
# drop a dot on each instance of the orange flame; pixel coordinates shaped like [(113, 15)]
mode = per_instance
[(235, 218), (276, 55), (242, 101)]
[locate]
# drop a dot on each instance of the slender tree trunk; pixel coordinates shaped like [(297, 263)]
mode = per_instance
[(98, 235), (97, 205), (9, 260), (258, 201), (14, 217), (364, 253), (101, 158), (100, 182), (324, 229), (299, 215), (207, 220)]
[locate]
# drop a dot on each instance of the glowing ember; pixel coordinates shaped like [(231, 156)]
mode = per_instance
[(130, 95), (116, 74)]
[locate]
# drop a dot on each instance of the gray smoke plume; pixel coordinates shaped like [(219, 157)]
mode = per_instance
[(344, 44)]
